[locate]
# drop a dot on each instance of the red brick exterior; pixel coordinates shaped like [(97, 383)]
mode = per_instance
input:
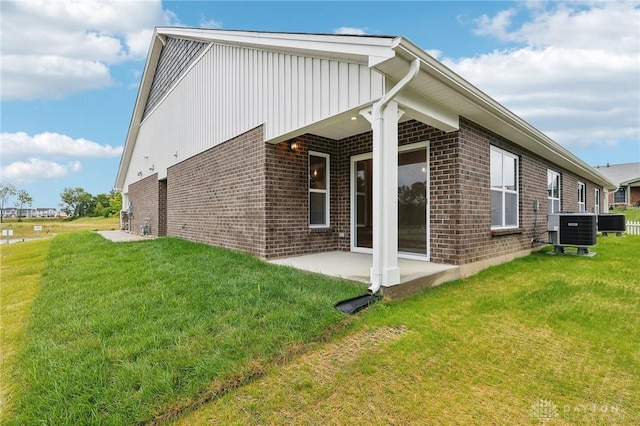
[(144, 196), (218, 196), (287, 199), (162, 207), (250, 196)]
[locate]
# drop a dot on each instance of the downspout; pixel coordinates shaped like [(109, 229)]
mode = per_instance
[(377, 122)]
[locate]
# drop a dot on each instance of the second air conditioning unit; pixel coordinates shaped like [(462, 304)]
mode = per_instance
[(612, 223)]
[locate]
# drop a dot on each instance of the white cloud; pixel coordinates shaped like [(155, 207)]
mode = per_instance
[(21, 145), (496, 26), (35, 169), (50, 76), (576, 75), (350, 31), (54, 48), (210, 23), (434, 52)]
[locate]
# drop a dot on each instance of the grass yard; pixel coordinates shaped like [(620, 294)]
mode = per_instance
[(542, 340), (133, 332), (95, 332), (632, 213), (56, 226)]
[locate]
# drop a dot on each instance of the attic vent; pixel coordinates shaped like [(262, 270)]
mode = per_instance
[(175, 57)]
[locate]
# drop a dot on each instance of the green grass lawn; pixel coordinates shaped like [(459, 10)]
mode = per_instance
[(632, 213), (546, 339), (131, 332), (95, 332), (55, 226)]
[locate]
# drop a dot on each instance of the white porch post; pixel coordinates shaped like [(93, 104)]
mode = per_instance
[(384, 270), (384, 117)]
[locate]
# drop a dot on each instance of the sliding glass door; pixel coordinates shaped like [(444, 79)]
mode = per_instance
[(413, 212)]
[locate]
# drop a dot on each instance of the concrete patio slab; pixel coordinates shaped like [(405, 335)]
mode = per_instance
[(415, 275), (123, 236)]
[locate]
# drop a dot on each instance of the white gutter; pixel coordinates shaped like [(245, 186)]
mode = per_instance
[(377, 123)]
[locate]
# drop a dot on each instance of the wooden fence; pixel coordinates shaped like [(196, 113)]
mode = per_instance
[(633, 227)]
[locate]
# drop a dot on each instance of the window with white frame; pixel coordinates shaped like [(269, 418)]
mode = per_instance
[(596, 201), (504, 189), (582, 193), (553, 191), (620, 196), (318, 190)]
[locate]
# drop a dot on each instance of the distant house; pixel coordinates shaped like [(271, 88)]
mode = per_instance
[(282, 144), (10, 212), (46, 212), (627, 180), (16, 212), (30, 212)]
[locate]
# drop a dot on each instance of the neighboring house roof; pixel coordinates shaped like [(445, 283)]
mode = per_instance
[(436, 96), (621, 174)]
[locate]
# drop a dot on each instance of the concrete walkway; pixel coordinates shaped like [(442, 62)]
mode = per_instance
[(21, 240), (123, 236)]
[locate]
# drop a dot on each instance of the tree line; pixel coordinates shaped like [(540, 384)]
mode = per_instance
[(75, 202)]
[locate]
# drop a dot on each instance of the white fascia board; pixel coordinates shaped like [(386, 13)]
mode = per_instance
[(531, 138), (633, 182), (141, 100), (357, 48)]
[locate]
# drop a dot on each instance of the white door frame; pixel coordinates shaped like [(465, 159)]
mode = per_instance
[(353, 196)]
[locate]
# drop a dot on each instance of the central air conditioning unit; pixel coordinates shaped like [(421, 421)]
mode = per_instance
[(567, 229), (612, 223)]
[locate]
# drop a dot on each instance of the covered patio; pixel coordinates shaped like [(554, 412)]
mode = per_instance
[(415, 275)]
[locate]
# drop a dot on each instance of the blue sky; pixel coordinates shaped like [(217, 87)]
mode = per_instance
[(71, 69)]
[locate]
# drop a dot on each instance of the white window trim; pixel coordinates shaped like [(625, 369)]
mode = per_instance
[(596, 201), (582, 191), (326, 191), (550, 199), (504, 191)]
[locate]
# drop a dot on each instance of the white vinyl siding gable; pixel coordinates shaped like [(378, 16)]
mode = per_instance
[(230, 90)]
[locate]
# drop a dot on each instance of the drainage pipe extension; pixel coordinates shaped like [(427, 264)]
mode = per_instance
[(377, 123)]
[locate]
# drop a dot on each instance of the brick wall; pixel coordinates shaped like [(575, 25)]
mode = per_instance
[(217, 197), (634, 196), (477, 242), (162, 207), (251, 196), (287, 199), (144, 197)]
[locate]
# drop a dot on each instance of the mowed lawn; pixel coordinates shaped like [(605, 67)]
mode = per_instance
[(161, 330), (546, 339), (125, 333)]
